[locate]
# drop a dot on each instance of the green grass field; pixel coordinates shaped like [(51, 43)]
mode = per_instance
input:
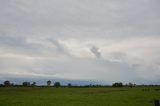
[(78, 96)]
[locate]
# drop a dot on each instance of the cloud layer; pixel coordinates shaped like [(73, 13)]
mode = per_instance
[(103, 41)]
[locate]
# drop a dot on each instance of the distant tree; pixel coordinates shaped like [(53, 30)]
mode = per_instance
[(25, 84), (1, 85), (12, 84), (7, 83), (134, 85), (48, 83), (33, 84), (69, 84), (117, 84), (57, 84), (130, 84)]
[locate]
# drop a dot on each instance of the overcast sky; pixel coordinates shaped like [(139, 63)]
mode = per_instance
[(91, 40)]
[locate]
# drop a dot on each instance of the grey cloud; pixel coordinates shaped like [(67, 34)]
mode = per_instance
[(30, 32), (106, 18), (15, 42), (82, 69), (59, 47), (118, 56), (95, 51), (12, 44), (35, 47)]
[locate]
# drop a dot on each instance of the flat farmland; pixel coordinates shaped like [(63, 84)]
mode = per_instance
[(49, 96)]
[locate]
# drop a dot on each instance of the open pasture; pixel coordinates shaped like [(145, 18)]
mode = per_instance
[(48, 96)]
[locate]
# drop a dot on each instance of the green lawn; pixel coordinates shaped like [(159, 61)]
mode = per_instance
[(78, 96)]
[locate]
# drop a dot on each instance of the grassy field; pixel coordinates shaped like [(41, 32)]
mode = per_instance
[(78, 96)]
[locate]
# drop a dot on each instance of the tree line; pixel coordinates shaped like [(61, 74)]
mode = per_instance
[(49, 83), (29, 84)]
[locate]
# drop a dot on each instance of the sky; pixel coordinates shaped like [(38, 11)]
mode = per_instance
[(92, 41)]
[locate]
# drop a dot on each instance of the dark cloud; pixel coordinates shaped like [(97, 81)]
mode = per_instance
[(95, 51)]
